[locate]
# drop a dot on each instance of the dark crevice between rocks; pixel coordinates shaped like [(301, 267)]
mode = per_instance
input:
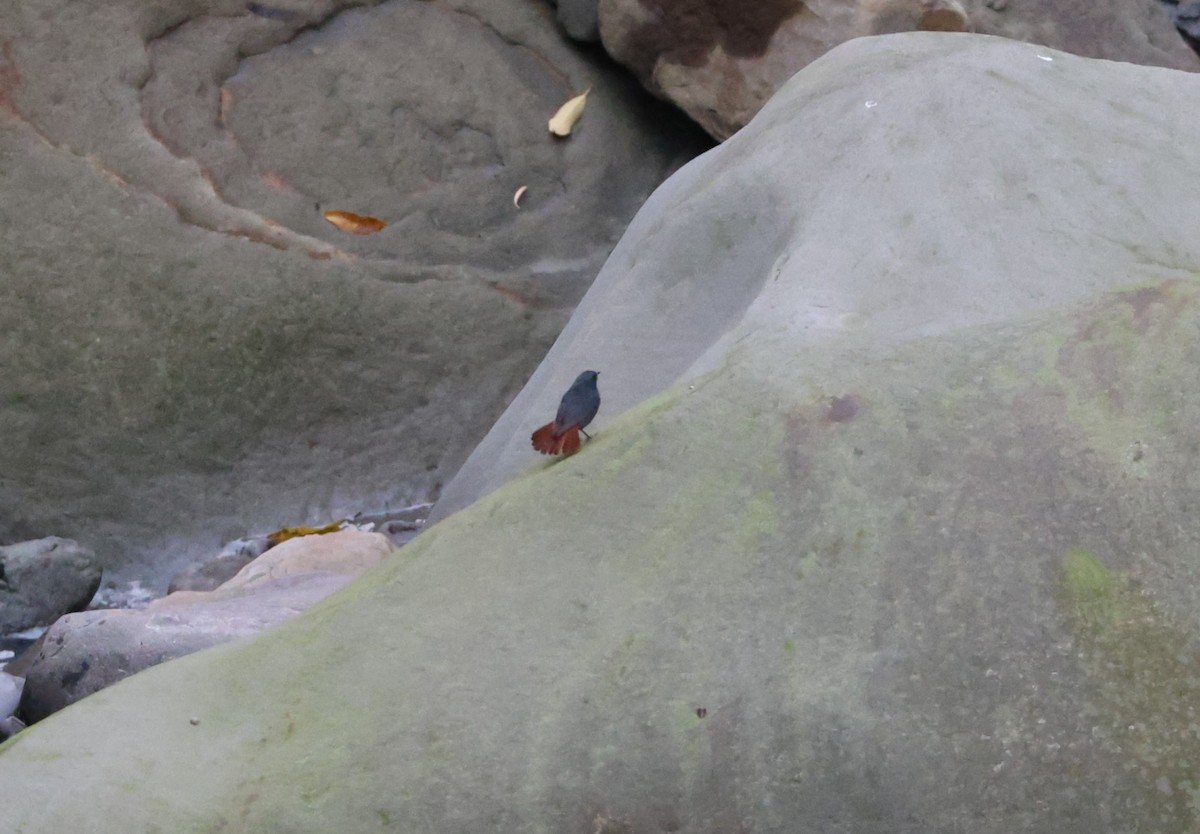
[(649, 99), (1186, 17)]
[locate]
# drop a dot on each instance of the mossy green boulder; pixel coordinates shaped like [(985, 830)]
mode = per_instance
[(961, 607)]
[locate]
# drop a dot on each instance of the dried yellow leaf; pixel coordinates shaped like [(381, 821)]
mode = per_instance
[(295, 532), (569, 114)]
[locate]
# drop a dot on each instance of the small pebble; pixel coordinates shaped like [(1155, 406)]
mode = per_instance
[(195, 722)]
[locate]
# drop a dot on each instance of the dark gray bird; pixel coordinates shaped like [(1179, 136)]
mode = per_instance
[(578, 407)]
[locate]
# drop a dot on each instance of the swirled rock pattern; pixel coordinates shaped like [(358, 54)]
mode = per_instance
[(189, 351)]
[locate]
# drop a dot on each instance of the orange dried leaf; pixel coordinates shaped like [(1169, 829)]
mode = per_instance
[(296, 532), (357, 224)]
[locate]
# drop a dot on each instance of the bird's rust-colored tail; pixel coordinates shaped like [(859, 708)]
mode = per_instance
[(544, 439), (546, 442)]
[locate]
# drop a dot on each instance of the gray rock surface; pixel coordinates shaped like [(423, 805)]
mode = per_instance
[(721, 61), (189, 351), (580, 19), (212, 573), (86, 652), (43, 579), (902, 538)]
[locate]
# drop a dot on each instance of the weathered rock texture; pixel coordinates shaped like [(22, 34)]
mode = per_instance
[(720, 61), (189, 351), (909, 544), (580, 19), (41, 580), (212, 573), (86, 652)]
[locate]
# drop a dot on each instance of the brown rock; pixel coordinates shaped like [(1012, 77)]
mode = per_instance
[(346, 552), (720, 61)]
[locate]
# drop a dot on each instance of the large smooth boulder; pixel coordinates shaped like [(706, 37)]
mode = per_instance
[(721, 61), (190, 352), (43, 579), (849, 190), (902, 538)]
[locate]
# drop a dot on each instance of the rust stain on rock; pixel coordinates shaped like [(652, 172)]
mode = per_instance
[(10, 79), (686, 31), (1148, 303)]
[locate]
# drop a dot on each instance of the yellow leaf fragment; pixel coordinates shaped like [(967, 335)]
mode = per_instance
[(569, 114), (520, 193), (295, 532), (355, 223)]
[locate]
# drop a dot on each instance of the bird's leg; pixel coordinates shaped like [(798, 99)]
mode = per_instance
[(585, 434)]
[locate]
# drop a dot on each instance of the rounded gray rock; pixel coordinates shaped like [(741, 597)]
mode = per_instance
[(43, 579)]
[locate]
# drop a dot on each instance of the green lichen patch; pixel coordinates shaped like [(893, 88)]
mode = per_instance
[(1146, 678), (1088, 585), (759, 518)]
